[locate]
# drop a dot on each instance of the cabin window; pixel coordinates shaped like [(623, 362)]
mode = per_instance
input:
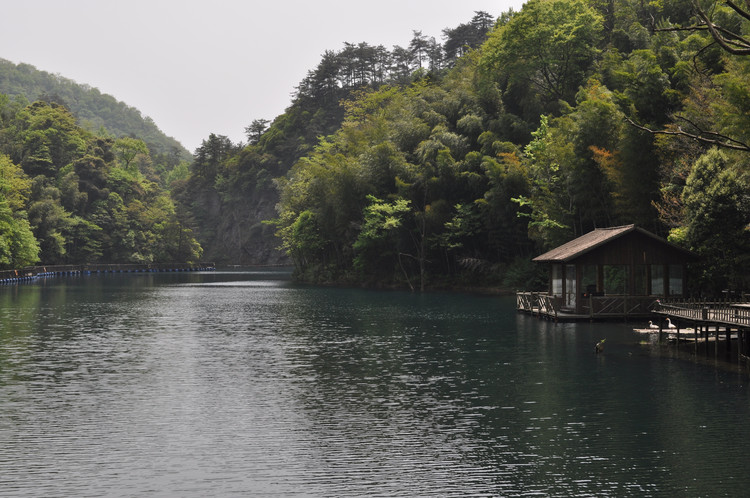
[(657, 280), (557, 280), (640, 280), (675, 280), (615, 279), (570, 285), (589, 279)]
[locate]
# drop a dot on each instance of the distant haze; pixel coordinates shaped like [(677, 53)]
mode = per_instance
[(199, 67)]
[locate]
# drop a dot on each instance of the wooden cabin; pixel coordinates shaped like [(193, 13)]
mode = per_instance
[(610, 272)]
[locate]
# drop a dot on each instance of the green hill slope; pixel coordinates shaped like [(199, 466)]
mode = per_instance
[(93, 109)]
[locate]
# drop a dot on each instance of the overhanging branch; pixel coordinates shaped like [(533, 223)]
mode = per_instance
[(731, 42), (706, 137), (739, 10)]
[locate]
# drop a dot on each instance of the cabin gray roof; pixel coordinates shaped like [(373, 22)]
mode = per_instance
[(592, 240)]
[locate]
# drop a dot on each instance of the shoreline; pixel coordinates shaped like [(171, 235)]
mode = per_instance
[(489, 290), (34, 272)]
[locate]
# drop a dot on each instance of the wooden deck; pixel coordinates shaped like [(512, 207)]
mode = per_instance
[(707, 318), (733, 314), (591, 307), (698, 322)]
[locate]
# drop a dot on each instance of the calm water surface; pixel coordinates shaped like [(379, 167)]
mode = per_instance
[(241, 383)]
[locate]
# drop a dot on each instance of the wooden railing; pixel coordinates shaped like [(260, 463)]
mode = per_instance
[(527, 301), (720, 312), (549, 305), (537, 303), (590, 306), (31, 272), (616, 305)]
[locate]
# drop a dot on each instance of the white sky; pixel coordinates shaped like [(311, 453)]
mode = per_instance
[(200, 67)]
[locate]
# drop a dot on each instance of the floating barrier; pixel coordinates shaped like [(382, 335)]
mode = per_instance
[(34, 272)]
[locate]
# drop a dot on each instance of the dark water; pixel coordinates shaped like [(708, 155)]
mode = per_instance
[(240, 383)]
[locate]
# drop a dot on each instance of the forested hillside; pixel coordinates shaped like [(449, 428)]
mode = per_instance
[(68, 196), (440, 163), (231, 192), (458, 162), (94, 110)]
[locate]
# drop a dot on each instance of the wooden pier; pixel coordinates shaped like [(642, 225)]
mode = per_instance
[(706, 318)]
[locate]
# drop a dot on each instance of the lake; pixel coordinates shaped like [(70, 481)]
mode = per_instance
[(242, 383)]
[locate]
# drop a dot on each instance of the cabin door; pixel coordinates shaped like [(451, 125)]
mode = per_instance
[(571, 285)]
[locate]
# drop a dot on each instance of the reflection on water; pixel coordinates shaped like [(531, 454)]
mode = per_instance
[(240, 383)]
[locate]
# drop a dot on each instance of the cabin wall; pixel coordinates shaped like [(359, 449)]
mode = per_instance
[(634, 264)]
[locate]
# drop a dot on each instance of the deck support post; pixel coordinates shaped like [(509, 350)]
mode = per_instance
[(704, 331), (739, 346), (728, 337), (661, 332), (695, 338), (716, 343), (740, 335)]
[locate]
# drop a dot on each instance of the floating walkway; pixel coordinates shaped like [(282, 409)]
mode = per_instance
[(34, 272), (706, 319)]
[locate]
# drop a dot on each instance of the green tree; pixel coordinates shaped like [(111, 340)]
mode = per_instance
[(378, 241), (118, 238), (549, 205), (543, 54), (471, 35), (15, 185), (302, 239), (50, 138), (18, 247), (595, 125), (717, 208), (127, 149), (49, 221), (255, 130), (84, 241), (174, 242)]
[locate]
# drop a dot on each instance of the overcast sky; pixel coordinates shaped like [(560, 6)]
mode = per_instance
[(201, 67)]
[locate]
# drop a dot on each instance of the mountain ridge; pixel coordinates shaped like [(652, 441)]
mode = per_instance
[(92, 108)]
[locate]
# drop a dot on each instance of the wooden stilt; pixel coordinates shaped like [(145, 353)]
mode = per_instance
[(705, 336), (728, 336), (696, 334), (716, 343), (739, 346), (661, 333)]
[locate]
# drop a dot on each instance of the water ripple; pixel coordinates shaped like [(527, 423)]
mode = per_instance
[(241, 384)]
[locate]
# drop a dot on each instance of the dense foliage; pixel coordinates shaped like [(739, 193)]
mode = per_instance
[(230, 193), (458, 162), (96, 112), (69, 196)]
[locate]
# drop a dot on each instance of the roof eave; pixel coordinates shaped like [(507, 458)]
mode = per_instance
[(622, 231), (552, 256)]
